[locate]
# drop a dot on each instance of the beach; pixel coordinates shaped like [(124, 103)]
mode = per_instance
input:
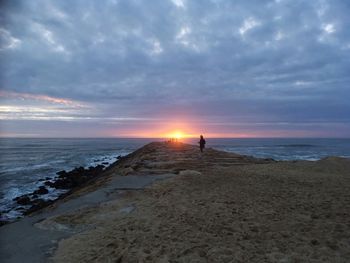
[(167, 202)]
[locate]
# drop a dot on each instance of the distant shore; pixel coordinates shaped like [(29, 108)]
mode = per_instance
[(215, 207)]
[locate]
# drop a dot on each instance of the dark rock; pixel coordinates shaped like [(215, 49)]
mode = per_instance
[(99, 168), (61, 184), (63, 180), (75, 177), (49, 183), (61, 173), (4, 222), (22, 200), (119, 157), (96, 170), (105, 163), (41, 191), (38, 204), (77, 180), (78, 170)]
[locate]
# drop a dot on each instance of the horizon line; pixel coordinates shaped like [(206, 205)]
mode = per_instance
[(166, 138)]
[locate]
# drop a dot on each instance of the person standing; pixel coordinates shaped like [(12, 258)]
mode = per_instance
[(201, 143)]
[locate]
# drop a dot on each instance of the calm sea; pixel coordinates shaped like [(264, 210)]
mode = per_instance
[(23, 162)]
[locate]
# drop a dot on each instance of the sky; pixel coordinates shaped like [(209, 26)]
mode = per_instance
[(132, 68)]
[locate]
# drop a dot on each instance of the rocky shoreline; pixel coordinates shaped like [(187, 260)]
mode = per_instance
[(68, 181), (213, 207)]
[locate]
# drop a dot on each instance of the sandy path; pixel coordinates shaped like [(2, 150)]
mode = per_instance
[(220, 208)]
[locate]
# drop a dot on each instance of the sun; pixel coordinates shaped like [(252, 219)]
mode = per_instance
[(178, 135)]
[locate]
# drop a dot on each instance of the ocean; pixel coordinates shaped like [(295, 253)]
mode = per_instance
[(24, 162)]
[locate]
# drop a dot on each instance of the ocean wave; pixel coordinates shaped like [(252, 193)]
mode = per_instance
[(296, 145), (13, 189)]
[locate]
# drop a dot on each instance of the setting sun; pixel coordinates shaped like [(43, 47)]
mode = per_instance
[(178, 135)]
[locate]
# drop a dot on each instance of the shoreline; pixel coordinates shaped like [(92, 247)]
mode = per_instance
[(37, 199), (224, 206), (292, 149), (66, 181)]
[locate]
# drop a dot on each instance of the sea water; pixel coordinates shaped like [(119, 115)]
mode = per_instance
[(285, 148), (26, 163)]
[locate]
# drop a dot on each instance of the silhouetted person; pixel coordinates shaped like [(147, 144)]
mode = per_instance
[(201, 143)]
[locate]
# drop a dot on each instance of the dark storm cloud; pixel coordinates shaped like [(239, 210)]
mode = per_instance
[(272, 62)]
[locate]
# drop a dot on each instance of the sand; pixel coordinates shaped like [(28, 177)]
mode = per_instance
[(214, 207)]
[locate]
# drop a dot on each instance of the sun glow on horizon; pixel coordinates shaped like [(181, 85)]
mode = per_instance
[(176, 135), (181, 131)]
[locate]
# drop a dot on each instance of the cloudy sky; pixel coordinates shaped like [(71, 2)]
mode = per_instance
[(146, 68)]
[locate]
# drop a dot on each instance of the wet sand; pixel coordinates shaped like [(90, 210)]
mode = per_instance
[(213, 207)]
